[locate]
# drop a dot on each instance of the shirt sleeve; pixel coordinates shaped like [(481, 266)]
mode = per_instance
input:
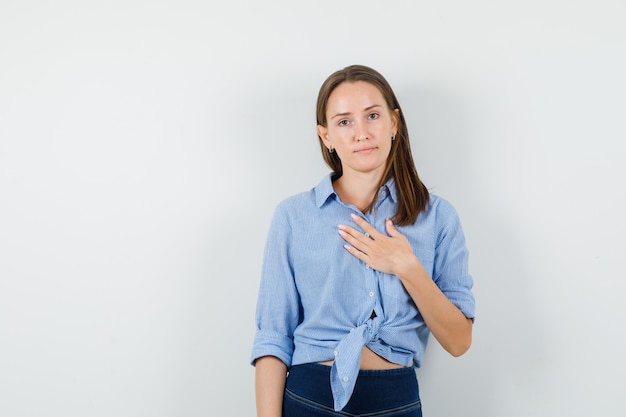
[(278, 304), (450, 271)]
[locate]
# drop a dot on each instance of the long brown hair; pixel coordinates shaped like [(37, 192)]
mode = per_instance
[(413, 195)]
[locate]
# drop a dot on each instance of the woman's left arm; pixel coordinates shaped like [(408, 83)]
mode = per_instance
[(393, 255)]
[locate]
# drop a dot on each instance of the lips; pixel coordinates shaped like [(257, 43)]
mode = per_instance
[(365, 150)]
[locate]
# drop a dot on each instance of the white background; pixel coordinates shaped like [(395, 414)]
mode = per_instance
[(144, 145)]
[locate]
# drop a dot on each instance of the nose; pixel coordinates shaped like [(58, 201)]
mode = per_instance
[(360, 132)]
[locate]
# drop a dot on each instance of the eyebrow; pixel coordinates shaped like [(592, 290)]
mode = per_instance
[(348, 113)]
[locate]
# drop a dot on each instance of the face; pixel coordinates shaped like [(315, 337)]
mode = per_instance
[(359, 128)]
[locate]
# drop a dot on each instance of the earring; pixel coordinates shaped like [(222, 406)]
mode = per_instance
[(331, 149), (393, 137)]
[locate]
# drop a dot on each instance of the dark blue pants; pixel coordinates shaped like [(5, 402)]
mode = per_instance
[(388, 393)]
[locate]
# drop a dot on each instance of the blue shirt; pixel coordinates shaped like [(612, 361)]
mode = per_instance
[(316, 300)]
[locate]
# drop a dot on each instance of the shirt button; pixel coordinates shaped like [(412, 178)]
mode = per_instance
[(346, 379), (336, 353), (371, 293), (367, 266)]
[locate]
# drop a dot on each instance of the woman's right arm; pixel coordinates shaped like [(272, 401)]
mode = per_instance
[(270, 377)]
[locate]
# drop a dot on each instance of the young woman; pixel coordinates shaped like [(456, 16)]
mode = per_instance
[(359, 270)]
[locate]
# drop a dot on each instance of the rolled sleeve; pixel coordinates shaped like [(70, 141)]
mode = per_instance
[(451, 271), (269, 343), (278, 305)]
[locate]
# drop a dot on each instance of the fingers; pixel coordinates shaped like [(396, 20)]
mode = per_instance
[(391, 228), (356, 252), (369, 230), (379, 250), (354, 238)]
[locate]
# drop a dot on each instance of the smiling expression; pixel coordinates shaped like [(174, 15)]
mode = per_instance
[(360, 127)]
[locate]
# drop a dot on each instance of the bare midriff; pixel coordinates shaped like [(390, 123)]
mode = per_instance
[(371, 361)]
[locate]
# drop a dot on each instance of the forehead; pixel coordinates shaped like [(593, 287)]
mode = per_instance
[(353, 96)]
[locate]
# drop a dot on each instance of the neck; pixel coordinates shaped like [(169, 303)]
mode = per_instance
[(358, 190)]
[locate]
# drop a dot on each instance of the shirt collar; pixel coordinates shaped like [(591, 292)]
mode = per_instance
[(390, 187), (324, 190)]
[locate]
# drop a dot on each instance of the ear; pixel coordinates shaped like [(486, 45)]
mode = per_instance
[(395, 121), (322, 132)]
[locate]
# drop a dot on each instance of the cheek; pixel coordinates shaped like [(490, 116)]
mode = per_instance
[(340, 137)]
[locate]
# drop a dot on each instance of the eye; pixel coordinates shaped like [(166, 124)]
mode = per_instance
[(373, 116), (344, 122)]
